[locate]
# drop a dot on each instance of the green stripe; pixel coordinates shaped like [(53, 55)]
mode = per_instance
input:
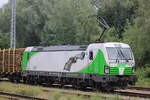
[(97, 65), (128, 71), (26, 56), (115, 71)]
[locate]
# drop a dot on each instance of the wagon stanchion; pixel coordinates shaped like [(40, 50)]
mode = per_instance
[(3, 61), (9, 50), (13, 60)]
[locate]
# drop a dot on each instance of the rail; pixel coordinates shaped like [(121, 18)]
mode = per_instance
[(105, 95), (140, 88), (140, 92), (20, 96)]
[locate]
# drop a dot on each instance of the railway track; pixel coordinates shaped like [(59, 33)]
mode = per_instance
[(139, 88), (131, 92), (18, 96), (128, 92), (79, 93), (135, 92)]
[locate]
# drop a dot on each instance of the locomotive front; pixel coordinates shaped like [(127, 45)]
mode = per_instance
[(120, 64)]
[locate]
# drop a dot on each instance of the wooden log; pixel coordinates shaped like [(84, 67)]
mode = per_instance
[(10, 60)]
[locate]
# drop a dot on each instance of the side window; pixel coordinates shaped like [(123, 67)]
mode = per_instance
[(91, 55), (81, 55)]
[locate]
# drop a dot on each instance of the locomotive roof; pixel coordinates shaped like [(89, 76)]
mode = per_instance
[(61, 48), (75, 47)]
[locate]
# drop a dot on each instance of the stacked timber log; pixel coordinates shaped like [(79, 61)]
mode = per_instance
[(10, 60)]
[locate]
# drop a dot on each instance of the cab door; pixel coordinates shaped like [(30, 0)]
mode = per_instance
[(90, 60)]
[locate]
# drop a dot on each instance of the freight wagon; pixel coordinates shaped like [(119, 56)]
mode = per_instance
[(10, 61), (104, 66)]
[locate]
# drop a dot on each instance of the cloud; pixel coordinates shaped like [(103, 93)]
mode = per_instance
[(2, 2)]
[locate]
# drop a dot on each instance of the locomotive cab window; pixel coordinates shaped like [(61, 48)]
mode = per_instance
[(91, 55)]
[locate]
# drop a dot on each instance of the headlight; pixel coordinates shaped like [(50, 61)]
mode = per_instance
[(106, 69)]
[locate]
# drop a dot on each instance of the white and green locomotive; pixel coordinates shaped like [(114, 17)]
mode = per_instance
[(100, 65)]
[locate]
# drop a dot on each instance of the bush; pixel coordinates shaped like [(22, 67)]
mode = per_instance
[(143, 75), (147, 70)]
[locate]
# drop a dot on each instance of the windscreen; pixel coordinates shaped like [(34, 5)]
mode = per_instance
[(119, 53)]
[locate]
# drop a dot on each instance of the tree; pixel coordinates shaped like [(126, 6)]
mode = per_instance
[(52, 21), (138, 35), (4, 40), (69, 23), (117, 13)]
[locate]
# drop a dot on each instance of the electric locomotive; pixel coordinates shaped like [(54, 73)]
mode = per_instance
[(104, 66), (100, 65)]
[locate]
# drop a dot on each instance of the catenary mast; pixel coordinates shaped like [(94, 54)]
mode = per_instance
[(13, 24)]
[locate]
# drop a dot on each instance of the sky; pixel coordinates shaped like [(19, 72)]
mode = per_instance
[(2, 2)]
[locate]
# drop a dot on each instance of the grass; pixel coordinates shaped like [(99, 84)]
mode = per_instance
[(29, 91), (20, 89), (4, 86), (59, 96), (38, 92)]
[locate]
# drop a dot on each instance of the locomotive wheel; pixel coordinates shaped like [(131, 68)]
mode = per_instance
[(108, 89), (35, 82)]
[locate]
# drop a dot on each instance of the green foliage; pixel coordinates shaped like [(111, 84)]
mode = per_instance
[(117, 12), (111, 36), (51, 21), (4, 40), (138, 36), (143, 75), (5, 17), (69, 22), (131, 36), (147, 71)]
